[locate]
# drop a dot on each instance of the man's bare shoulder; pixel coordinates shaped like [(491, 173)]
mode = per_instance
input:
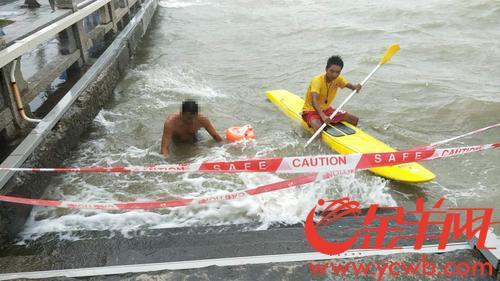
[(203, 119), (172, 119)]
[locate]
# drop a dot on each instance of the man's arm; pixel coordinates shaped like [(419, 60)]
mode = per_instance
[(210, 129), (356, 87), (317, 107), (165, 140)]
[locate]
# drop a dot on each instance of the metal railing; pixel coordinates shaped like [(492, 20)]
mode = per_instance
[(36, 136), (30, 42)]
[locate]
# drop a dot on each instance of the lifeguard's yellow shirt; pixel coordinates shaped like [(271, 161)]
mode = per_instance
[(326, 92)]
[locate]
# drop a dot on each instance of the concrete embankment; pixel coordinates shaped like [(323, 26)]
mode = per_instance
[(52, 140)]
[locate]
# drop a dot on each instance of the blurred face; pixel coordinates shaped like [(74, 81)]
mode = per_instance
[(333, 72)]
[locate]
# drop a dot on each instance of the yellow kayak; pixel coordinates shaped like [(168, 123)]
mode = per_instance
[(346, 138)]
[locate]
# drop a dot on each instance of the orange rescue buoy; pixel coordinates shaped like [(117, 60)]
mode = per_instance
[(240, 133)]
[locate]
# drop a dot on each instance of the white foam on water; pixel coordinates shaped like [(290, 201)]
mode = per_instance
[(107, 119), (455, 194), (124, 222), (181, 4), (157, 79), (292, 205), (289, 206)]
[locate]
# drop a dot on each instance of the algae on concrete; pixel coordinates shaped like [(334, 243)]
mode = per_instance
[(5, 22)]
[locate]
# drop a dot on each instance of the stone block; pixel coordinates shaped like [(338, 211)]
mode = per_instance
[(67, 41), (123, 60), (66, 4), (135, 36), (105, 15), (2, 102), (9, 131), (3, 44)]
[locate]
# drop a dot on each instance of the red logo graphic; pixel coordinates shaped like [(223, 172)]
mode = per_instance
[(375, 226), (334, 210)]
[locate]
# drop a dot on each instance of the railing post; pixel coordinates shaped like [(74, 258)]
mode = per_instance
[(81, 40), (112, 13), (76, 31), (67, 41), (105, 15), (123, 4)]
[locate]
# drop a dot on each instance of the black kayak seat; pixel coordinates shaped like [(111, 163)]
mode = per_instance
[(338, 130)]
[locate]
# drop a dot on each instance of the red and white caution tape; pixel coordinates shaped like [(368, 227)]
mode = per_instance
[(364, 161), (371, 160), (299, 180), (439, 143), (234, 166), (300, 164)]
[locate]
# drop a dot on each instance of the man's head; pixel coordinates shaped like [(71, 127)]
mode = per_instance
[(189, 110), (333, 67)]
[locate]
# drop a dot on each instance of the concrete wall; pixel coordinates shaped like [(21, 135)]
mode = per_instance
[(65, 136)]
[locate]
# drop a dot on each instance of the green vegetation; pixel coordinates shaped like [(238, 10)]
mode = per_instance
[(4, 22)]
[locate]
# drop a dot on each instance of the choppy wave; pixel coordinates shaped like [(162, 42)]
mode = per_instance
[(160, 80), (287, 206)]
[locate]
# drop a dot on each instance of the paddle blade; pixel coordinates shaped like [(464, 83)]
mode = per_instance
[(389, 53)]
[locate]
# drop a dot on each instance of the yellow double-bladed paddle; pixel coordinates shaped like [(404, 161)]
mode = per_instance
[(387, 56)]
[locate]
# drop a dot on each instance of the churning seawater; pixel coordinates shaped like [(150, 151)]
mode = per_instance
[(227, 53)]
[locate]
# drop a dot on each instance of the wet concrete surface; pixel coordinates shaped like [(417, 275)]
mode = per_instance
[(26, 20), (96, 249), (302, 271)]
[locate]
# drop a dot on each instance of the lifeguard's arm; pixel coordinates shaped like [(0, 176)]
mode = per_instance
[(317, 107), (165, 139), (210, 129), (353, 87)]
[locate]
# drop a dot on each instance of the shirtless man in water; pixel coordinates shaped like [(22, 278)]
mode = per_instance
[(184, 125)]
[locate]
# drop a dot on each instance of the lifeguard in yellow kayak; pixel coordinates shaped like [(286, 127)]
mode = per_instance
[(344, 137), (321, 93)]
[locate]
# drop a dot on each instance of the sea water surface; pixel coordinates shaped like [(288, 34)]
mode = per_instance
[(227, 53)]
